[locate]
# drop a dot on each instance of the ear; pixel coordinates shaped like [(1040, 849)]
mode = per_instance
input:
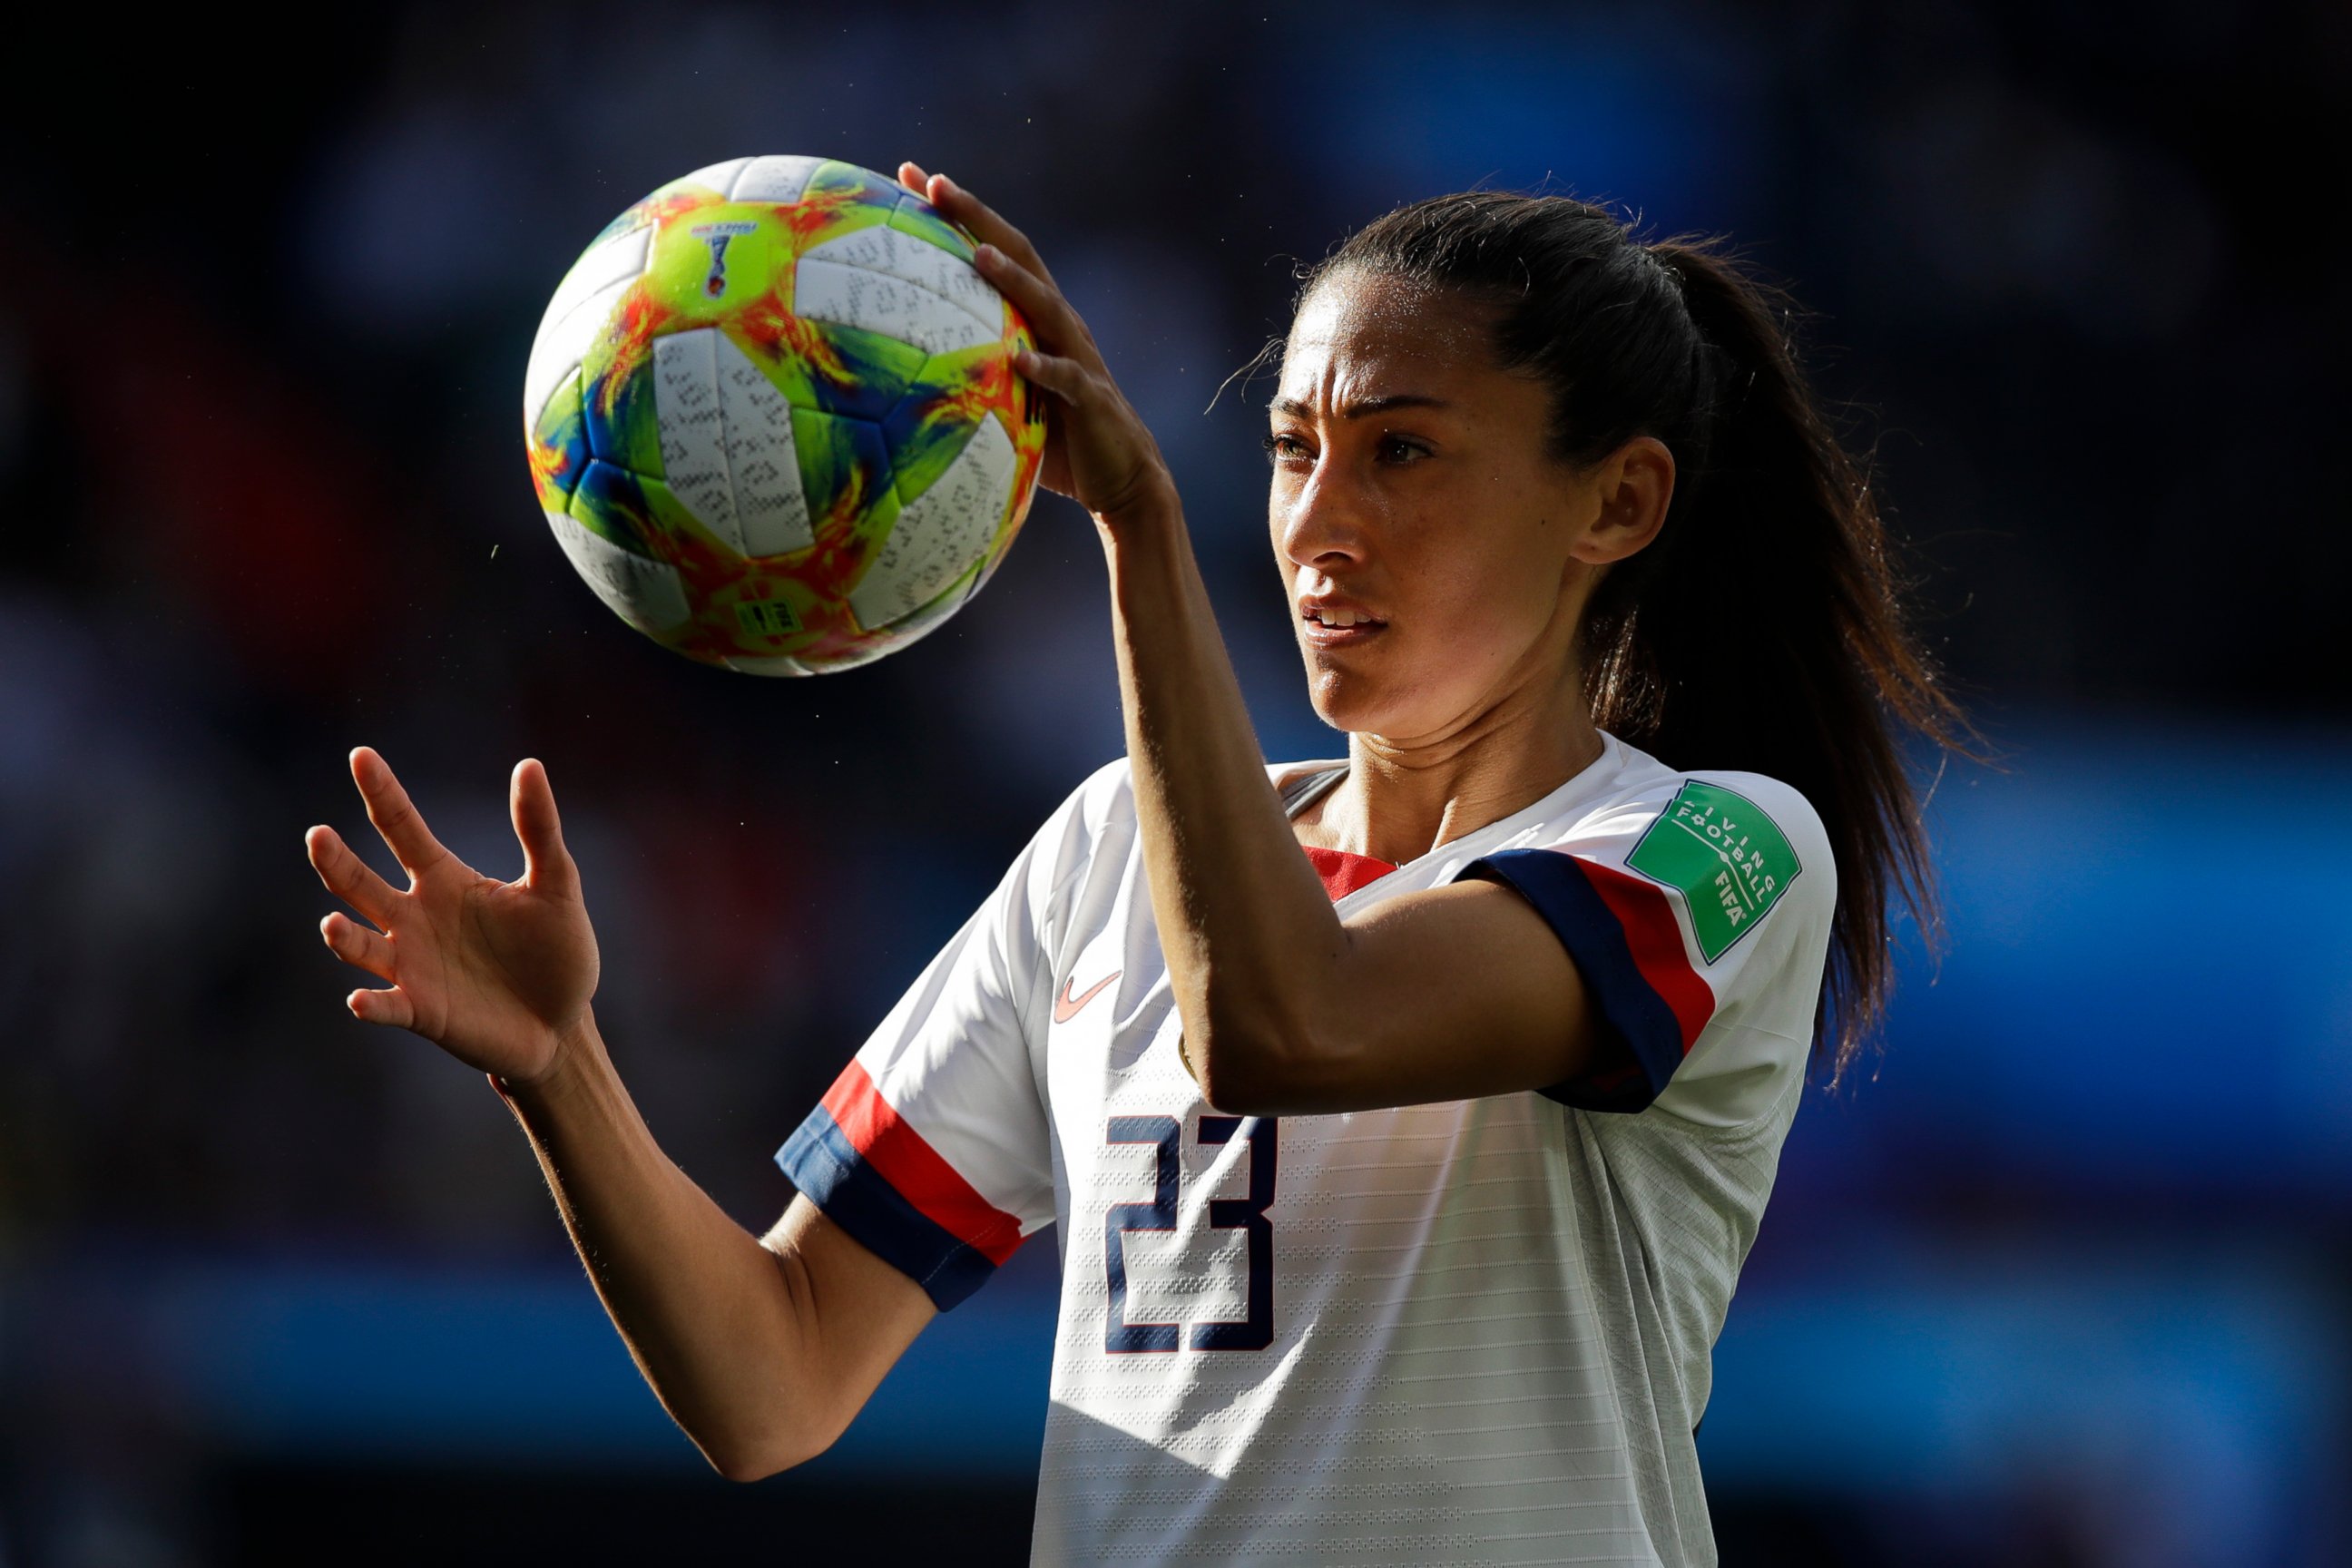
[(1634, 485)]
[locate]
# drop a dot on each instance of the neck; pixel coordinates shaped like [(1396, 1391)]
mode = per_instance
[(1404, 796)]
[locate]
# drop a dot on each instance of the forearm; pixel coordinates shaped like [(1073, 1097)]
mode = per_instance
[(1285, 1008), (711, 1317), (1251, 940), (762, 1352)]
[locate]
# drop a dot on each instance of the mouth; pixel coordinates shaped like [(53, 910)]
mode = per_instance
[(1333, 625)]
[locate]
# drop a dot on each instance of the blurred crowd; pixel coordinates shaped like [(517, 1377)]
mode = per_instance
[(262, 325)]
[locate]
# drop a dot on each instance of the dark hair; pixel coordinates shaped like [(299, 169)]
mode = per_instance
[(1764, 628)]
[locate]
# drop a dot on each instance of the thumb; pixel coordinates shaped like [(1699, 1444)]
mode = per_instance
[(547, 865)]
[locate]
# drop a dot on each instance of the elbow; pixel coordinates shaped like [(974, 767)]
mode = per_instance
[(745, 1469), (742, 1468), (756, 1457), (747, 1465), (1260, 1068)]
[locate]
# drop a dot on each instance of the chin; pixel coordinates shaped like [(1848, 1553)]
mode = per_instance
[(1353, 702)]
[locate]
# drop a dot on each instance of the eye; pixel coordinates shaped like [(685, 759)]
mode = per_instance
[(1279, 446), (1402, 449)]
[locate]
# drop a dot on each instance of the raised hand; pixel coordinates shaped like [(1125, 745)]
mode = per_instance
[(1098, 451), (496, 973)]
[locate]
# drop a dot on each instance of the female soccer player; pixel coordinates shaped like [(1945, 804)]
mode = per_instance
[(1401, 1183)]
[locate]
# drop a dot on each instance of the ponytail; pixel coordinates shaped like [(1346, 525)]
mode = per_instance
[(1764, 629), (1771, 638)]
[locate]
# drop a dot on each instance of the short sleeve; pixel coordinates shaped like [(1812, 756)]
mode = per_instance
[(932, 1148), (1698, 917)]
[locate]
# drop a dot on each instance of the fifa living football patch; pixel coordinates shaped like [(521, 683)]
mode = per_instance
[(1730, 861)]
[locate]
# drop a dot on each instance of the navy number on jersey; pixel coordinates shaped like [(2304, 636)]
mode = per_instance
[(1254, 1330), (1159, 1213)]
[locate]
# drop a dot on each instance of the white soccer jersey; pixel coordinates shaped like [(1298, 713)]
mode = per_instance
[(1475, 1332)]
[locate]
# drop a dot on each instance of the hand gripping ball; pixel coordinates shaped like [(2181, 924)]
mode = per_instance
[(773, 419)]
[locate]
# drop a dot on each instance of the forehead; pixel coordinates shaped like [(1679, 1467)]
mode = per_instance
[(1363, 334)]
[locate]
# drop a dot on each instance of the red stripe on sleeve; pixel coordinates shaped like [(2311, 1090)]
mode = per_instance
[(1655, 940), (900, 1156), (1343, 873)]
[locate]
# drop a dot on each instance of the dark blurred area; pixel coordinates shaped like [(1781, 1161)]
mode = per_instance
[(2059, 1279)]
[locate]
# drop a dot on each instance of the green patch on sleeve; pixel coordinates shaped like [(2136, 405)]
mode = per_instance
[(1728, 860)]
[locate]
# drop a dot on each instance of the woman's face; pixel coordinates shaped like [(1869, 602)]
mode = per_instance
[(1430, 546)]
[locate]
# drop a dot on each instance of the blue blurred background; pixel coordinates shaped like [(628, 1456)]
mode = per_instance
[(2059, 1277)]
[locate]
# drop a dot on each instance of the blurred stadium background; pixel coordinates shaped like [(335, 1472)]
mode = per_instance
[(2060, 1280)]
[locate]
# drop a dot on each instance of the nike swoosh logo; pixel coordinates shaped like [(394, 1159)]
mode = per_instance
[(1065, 1006)]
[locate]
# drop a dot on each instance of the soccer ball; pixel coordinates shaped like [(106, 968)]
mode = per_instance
[(773, 419)]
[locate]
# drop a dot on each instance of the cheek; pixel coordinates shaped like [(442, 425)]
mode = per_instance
[(1494, 602)]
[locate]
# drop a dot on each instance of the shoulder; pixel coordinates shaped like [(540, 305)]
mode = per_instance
[(1743, 816), (1698, 906), (1095, 827), (1104, 794), (1105, 798), (1103, 804), (1723, 874), (1707, 834), (1097, 817)]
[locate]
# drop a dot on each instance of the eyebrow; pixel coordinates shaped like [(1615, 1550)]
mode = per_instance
[(1362, 405)]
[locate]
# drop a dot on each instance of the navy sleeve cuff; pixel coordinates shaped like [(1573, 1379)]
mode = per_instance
[(1642, 1042), (855, 1196)]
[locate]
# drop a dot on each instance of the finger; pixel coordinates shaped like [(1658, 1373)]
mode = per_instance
[(348, 877), (911, 176), (358, 946), (388, 806), (985, 224), (1065, 378), (547, 865), (391, 1008), (1053, 318)]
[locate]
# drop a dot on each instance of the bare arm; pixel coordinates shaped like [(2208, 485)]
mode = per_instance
[(762, 1352), (1445, 994)]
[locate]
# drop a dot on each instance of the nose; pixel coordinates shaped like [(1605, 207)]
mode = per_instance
[(1322, 523)]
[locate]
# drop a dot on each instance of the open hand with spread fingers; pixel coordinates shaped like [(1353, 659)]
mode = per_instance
[(496, 973), (1098, 450)]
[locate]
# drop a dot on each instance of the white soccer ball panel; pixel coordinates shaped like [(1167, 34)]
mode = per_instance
[(854, 297), (719, 177), (922, 622), (645, 593), (897, 254), (761, 459), (727, 444), (941, 534), (772, 179), (693, 432)]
